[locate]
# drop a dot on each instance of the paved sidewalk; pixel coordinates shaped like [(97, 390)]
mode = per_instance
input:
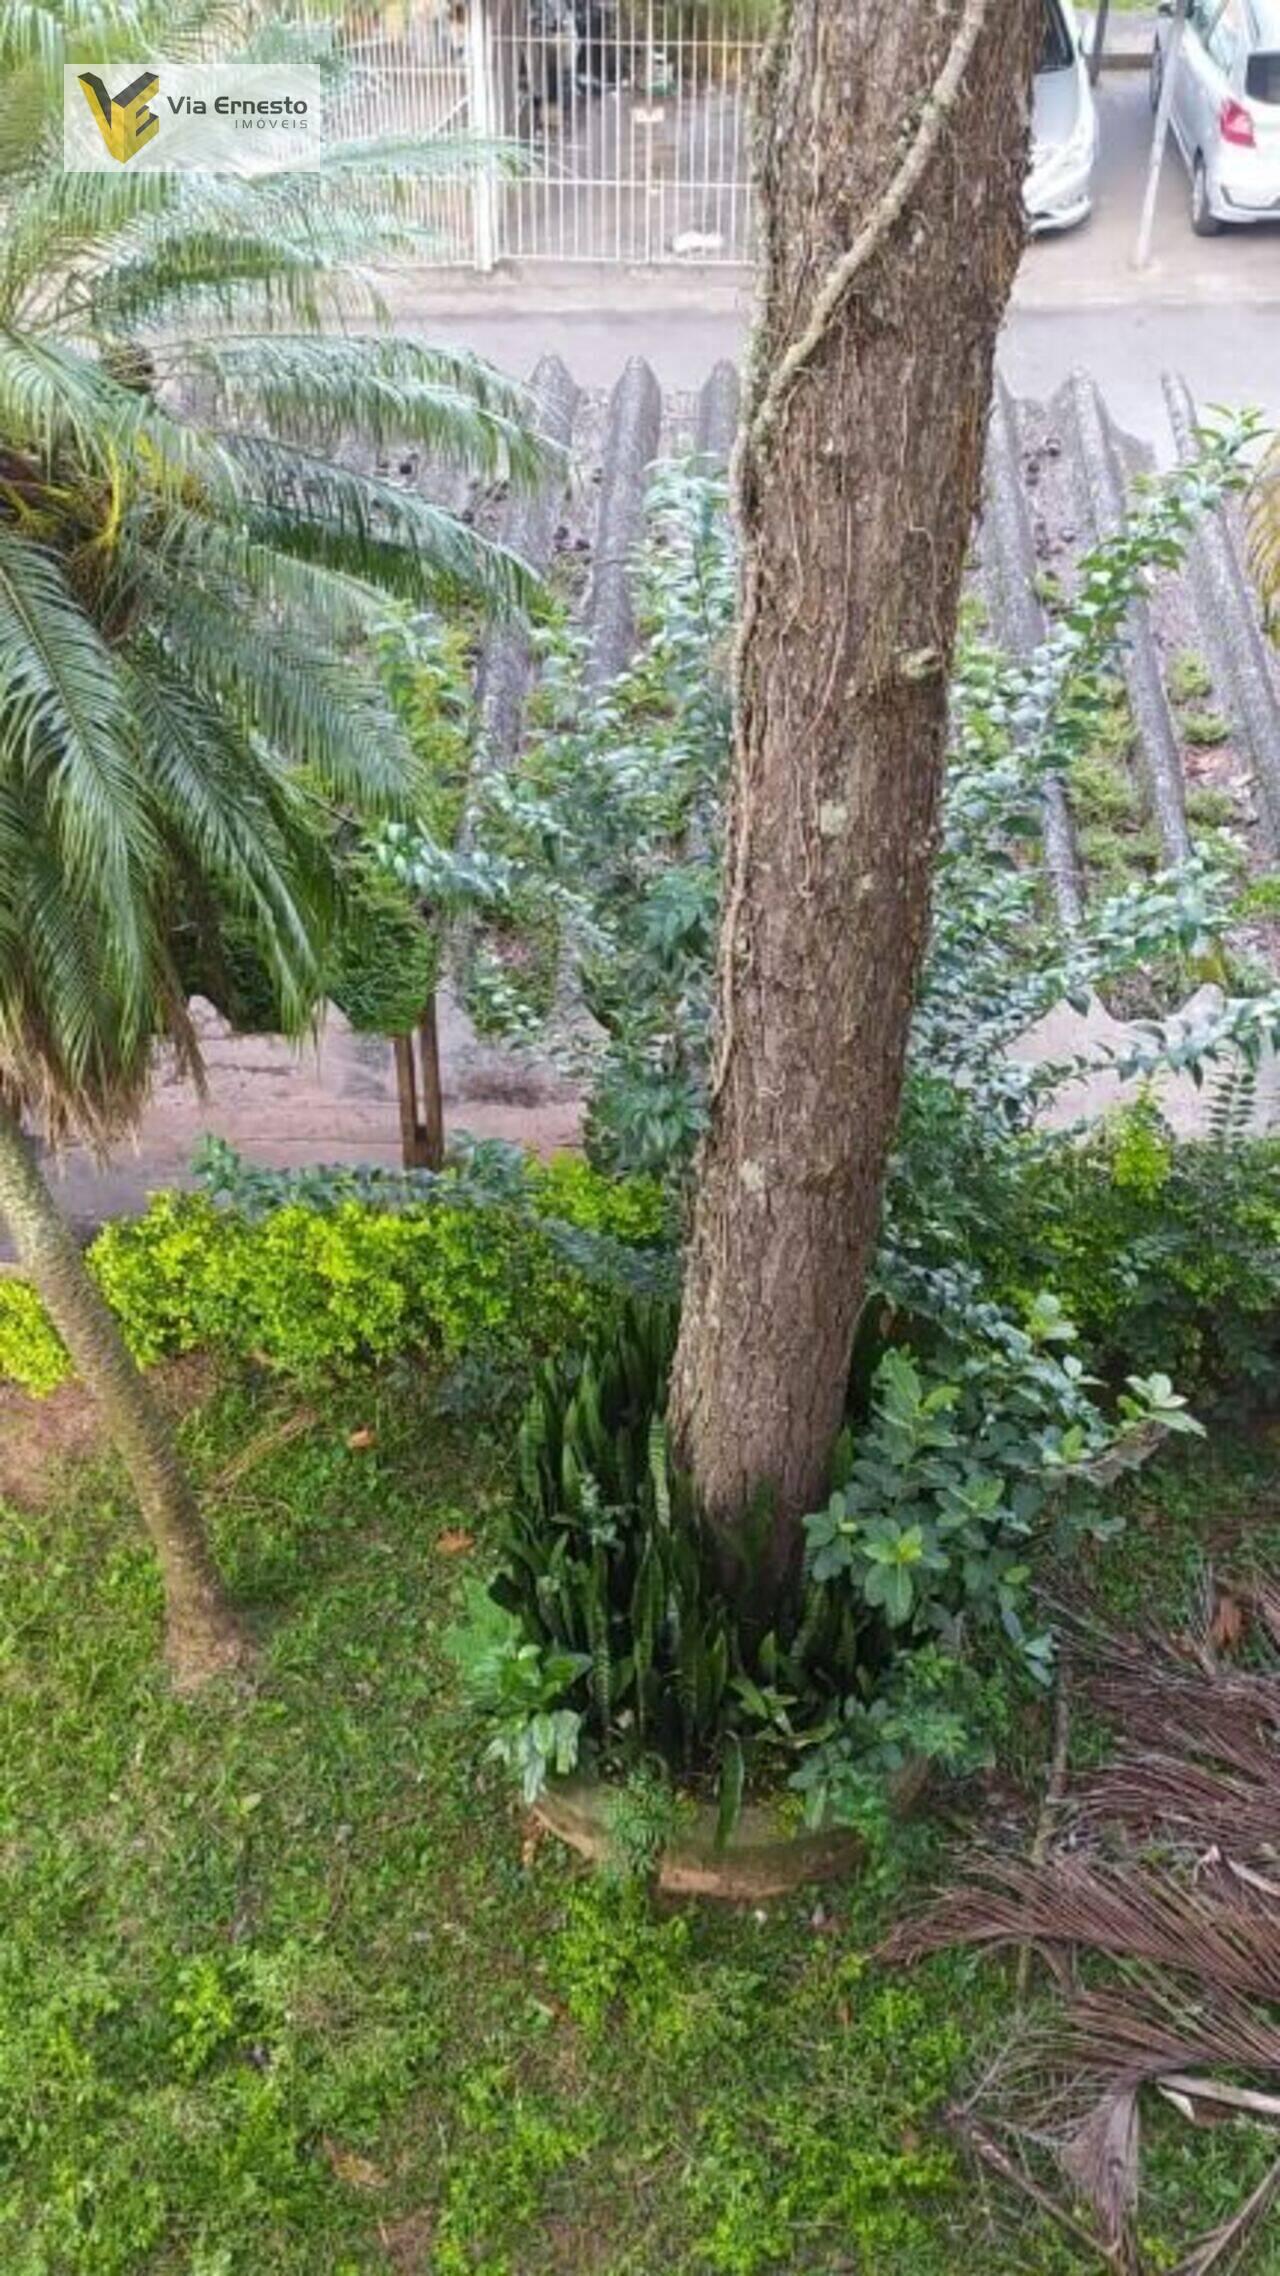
[(1130, 36), (1208, 308)]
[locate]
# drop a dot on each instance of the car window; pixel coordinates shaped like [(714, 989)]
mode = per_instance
[(1207, 19), (1056, 52), (1224, 39), (1262, 79)]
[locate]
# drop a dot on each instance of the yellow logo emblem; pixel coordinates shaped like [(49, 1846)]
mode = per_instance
[(123, 120)]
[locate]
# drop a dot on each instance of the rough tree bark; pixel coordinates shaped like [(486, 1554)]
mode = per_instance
[(202, 1638), (892, 151)]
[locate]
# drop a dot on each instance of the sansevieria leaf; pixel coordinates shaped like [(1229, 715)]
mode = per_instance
[(733, 1774)]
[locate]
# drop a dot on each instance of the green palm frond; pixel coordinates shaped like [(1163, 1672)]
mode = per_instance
[(304, 702), (238, 570), (192, 575), (240, 825), (388, 391), (393, 159), (59, 405), (31, 34), (62, 717), (227, 247), (64, 218), (48, 37), (374, 529), (309, 243), (222, 793), (26, 97), (212, 273), (72, 1042)]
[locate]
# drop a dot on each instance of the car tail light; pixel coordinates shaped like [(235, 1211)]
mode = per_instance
[(1236, 124)]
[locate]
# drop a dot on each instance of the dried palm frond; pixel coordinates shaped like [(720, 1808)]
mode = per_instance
[(1188, 1997), (1223, 1935), (1137, 2030), (1222, 2243), (1197, 1757), (1101, 2159), (1063, 2101), (1009, 2166), (1005, 2158), (1264, 1598)]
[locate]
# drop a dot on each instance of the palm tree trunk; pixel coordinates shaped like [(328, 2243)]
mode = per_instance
[(202, 1638)]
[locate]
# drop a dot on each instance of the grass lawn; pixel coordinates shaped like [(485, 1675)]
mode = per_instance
[(284, 1987)]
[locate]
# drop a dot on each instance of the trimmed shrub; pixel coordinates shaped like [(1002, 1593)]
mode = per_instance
[(1165, 1253), (31, 1351), (318, 1290), (633, 1209)]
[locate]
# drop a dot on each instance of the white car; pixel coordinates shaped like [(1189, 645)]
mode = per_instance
[(1226, 108), (1064, 126)]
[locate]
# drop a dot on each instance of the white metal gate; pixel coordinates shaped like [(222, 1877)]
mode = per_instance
[(629, 121), (407, 73)]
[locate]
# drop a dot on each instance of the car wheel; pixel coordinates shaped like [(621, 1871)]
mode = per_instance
[(1204, 220)]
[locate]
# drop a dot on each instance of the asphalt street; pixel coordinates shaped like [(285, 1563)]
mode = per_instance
[(1209, 308)]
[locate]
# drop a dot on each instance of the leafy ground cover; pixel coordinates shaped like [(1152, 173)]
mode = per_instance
[(285, 1985)]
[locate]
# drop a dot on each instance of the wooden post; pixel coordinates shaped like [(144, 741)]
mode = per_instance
[(418, 1063), (432, 1124), (407, 1088)]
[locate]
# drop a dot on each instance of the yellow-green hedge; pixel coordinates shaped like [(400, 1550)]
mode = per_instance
[(316, 1291)]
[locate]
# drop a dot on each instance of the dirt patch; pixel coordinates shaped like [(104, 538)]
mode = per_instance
[(408, 2242), (577, 2247), (39, 1437)]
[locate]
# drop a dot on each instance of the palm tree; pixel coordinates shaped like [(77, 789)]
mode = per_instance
[(189, 576)]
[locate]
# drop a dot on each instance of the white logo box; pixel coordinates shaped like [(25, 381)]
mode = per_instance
[(211, 118)]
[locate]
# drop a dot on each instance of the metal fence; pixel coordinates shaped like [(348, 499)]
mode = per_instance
[(629, 120), (407, 72)]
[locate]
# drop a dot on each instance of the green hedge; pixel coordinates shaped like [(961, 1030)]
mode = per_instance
[(31, 1351), (1166, 1254), (315, 1291)]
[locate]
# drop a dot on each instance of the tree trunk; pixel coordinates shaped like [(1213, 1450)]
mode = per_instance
[(202, 1638), (892, 152)]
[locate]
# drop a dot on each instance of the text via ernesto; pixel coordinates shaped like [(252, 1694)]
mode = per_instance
[(213, 118)]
